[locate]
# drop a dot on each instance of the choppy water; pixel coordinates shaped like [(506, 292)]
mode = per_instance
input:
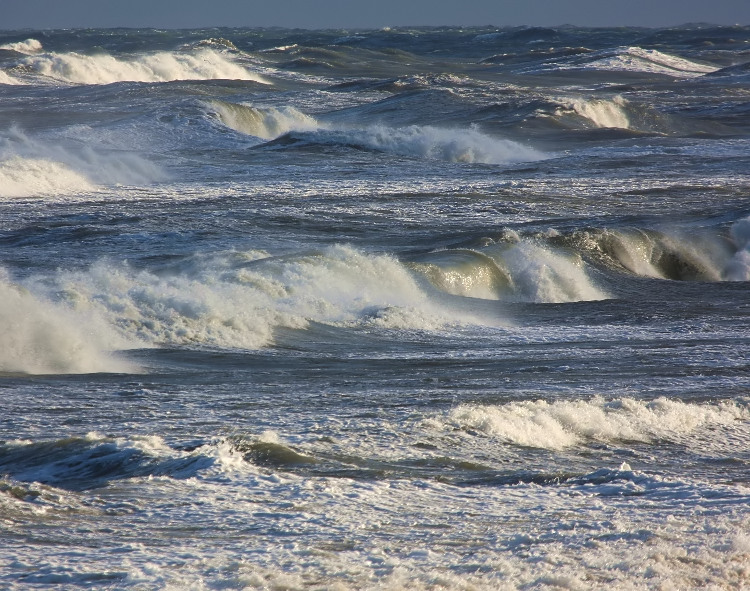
[(424, 309)]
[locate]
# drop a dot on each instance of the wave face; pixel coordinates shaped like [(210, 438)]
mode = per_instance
[(265, 123)]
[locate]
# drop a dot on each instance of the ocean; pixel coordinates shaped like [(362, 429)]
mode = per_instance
[(412, 308)]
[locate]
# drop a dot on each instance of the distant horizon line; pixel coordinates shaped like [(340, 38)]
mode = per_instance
[(686, 25)]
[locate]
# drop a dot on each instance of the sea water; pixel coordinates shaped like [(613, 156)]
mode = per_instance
[(392, 309)]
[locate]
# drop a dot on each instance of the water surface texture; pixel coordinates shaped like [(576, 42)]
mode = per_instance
[(399, 309)]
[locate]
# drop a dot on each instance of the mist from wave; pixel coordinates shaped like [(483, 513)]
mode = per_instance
[(55, 166)]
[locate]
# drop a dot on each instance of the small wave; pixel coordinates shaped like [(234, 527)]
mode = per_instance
[(435, 143), (650, 61), (201, 64), (94, 460), (29, 47), (468, 146), (559, 425)]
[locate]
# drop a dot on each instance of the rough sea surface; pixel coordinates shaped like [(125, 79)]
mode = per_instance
[(393, 309)]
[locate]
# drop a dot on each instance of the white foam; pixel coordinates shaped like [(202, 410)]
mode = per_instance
[(7, 79), (263, 122), (29, 46), (199, 64), (41, 337), (219, 303), (563, 424)]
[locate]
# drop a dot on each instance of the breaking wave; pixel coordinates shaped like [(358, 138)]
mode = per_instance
[(203, 63), (524, 270), (601, 112), (671, 254), (632, 59), (29, 46), (289, 126)]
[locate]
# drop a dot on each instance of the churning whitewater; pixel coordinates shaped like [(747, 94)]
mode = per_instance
[(430, 308)]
